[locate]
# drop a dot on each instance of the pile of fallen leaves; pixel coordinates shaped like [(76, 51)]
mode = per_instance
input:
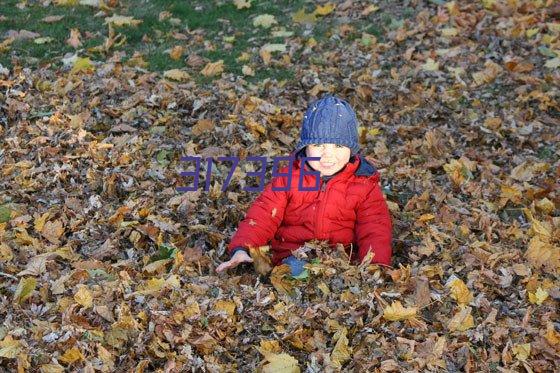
[(105, 266)]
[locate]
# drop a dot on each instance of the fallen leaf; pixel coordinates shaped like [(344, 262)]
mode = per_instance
[(302, 17), (538, 297), (71, 356), (522, 351), (177, 74), (202, 126), (74, 39), (323, 10), (118, 21), (24, 289), (280, 279), (460, 292), (10, 348), (242, 4), (396, 312), (264, 20), (279, 362), (341, 353), (83, 297), (213, 68), (176, 52), (463, 320), (261, 259)]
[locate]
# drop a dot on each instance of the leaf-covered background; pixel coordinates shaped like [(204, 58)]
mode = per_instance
[(104, 266)]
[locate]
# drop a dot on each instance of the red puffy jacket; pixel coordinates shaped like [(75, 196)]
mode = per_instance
[(348, 209)]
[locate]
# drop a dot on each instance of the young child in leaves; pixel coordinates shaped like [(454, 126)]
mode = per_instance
[(348, 208)]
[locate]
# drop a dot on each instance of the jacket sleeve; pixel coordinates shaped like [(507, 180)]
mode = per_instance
[(374, 226), (262, 219)]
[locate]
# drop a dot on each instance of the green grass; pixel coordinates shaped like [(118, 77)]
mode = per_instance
[(216, 20)]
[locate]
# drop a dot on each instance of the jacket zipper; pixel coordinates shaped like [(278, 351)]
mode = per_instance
[(320, 210)]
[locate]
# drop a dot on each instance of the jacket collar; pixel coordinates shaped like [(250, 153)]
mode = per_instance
[(358, 165)]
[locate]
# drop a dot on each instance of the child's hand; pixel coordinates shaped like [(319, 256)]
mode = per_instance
[(239, 257)]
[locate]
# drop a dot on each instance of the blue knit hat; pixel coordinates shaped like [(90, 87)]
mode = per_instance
[(329, 120)]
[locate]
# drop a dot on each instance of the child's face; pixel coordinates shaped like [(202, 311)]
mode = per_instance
[(333, 157)]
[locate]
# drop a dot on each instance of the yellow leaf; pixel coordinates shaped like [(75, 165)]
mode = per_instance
[(538, 297), (176, 74), (172, 282), (553, 27), (244, 57), (460, 292), (301, 17), (462, 320), (270, 346), (532, 32), (274, 47), (213, 68), (522, 351), (522, 172), (71, 356), (10, 348), (280, 279), (24, 289), (449, 32), (323, 10), (264, 20), (511, 193), (240, 4), (226, 306), (51, 368), (277, 363), (40, 222), (261, 259), (370, 9), (341, 352), (66, 2), (82, 64), (324, 288), (117, 21), (153, 285), (425, 217), (542, 253), (488, 4), (83, 297), (545, 205), (430, 65), (191, 309), (246, 70), (488, 75), (396, 312), (552, 336), (203, 125), (176, 52)]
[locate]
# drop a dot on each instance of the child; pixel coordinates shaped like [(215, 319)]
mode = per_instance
[(348, 208)]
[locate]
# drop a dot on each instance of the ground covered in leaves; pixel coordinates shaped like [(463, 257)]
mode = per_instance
[(104, 266)]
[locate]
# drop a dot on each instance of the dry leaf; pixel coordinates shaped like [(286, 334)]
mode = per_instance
[(264, 20), (24, 289), (460, 292), (462, 320), (396, 312), (118, 21), (83, 297), (177, 74), (213, 68)]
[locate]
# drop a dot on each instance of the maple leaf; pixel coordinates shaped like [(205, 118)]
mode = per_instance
[(396, 312)]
